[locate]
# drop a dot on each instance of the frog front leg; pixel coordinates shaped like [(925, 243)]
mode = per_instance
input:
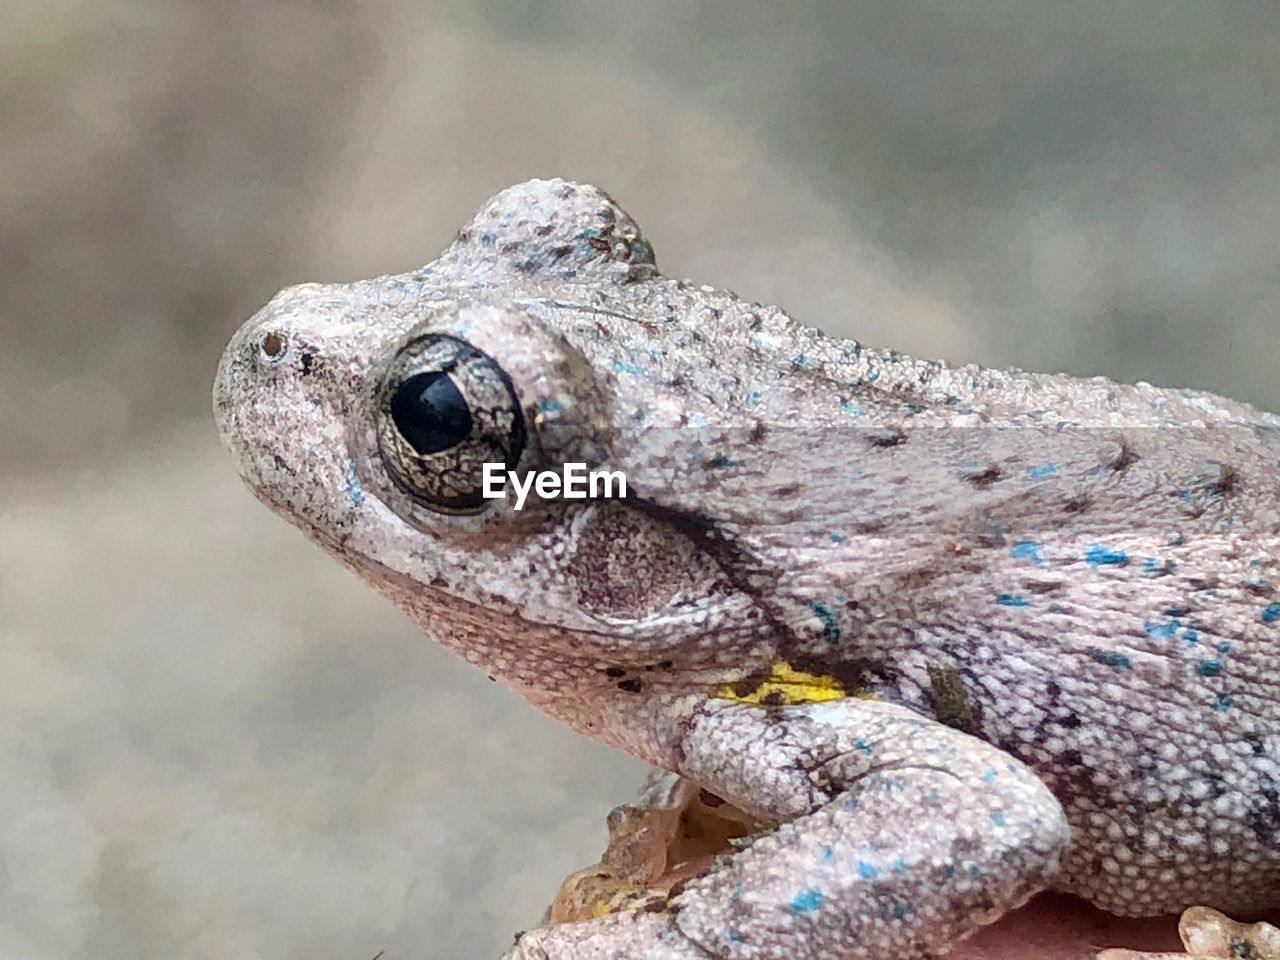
[(896, 837)]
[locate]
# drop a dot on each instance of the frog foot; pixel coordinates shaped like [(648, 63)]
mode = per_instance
[(1206, 934), (672, 834)]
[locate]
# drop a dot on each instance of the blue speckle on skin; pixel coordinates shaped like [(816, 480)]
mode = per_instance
[(1270, 613), (899, 866), (722, 462), (1043, 472), (849, 406), (638, 416), (1113, 659), (866, 870), (1192, 637), (828, 855), (549, 406), (830, 625), (621, 366), (1223, 703), (900, 910), (861, 745), (803, 362), (1027, 550), (487, 238), (1161, 631), (754, 398), (697, 421), (1100, 556), (998, 819), (354, 493), (1209, 668), (1224, 647), (806, 901), (836, 537), (1150, 565), (735, 936), (1011, 600), (989, 774)]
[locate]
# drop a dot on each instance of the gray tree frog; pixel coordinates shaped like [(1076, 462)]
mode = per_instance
[(940, 637)]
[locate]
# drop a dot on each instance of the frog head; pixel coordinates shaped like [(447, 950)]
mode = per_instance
[(366, 414)]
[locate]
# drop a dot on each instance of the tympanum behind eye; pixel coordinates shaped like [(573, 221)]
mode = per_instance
[(444, 410)]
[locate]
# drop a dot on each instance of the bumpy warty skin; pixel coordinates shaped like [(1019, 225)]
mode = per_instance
[(1051, 574)]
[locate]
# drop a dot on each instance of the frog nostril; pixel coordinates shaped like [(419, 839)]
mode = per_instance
[(272, 346)]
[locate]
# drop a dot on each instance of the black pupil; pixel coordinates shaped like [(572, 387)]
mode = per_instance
[(430, 412)]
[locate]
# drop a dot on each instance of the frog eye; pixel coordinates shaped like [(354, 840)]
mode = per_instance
[(444, 410)]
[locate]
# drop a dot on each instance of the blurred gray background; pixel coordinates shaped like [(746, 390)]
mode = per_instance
[(214, 743)]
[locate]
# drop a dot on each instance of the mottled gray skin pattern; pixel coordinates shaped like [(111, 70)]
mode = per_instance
[(1053, 604)]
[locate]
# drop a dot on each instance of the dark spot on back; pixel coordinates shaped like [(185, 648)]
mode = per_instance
[(308, 361), (614, 672), (986, 478), (1124, 458), (1077, 504), (630, 685), (1228, 482), (758, 432), (888, 438), (1043, 586)]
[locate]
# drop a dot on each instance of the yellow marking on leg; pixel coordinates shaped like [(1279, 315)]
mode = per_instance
[(785, 686)]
